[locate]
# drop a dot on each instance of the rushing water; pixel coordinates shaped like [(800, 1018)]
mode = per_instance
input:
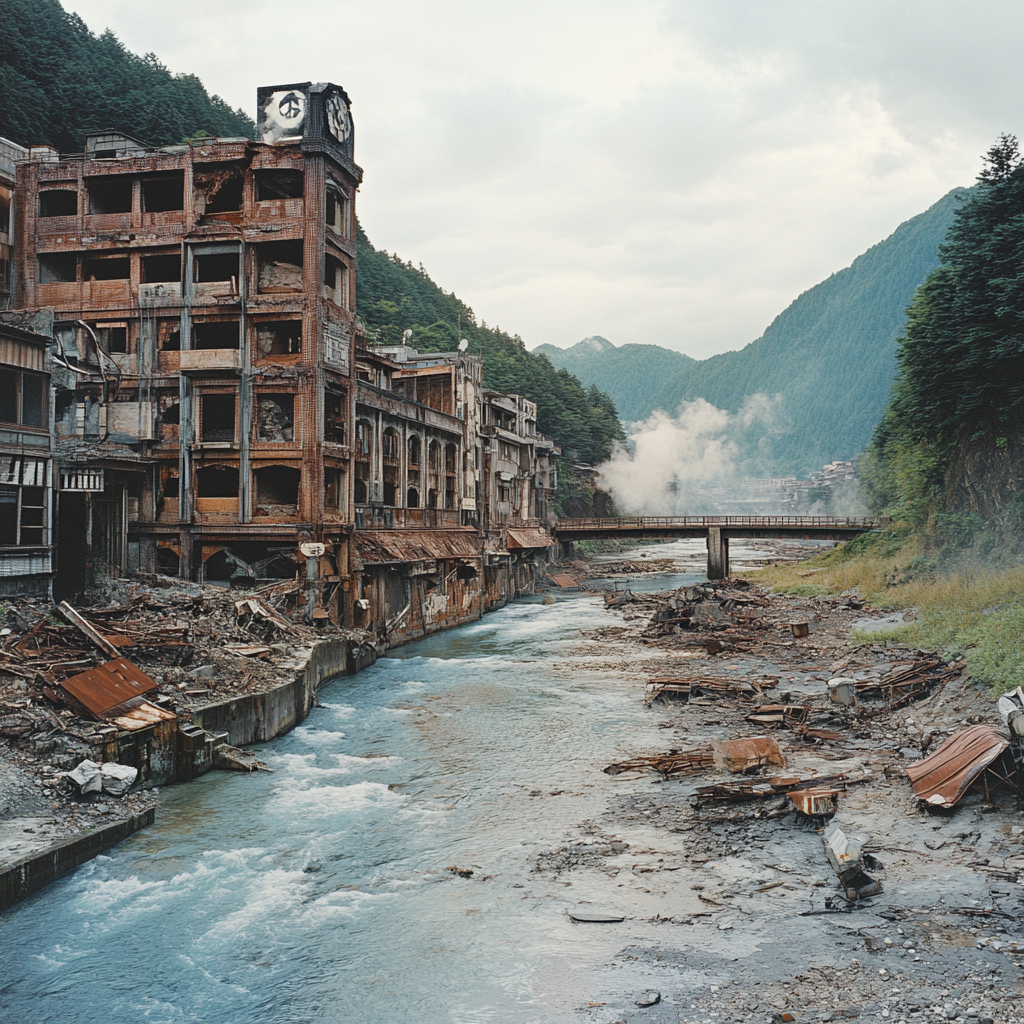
[(319, 892)]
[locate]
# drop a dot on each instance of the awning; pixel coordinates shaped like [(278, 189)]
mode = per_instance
[(383, 547), (529, 538)]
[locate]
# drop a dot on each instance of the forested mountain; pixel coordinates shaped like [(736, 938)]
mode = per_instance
[(393, 296), (630, 374), (58, 81), (830, 355), (952, 439)]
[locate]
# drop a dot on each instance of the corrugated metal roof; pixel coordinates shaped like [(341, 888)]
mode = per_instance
[(381, 547), (529, 538), (105, 688), (943, 777)]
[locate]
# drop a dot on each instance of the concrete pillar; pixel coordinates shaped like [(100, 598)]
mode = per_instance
[(718, 554)]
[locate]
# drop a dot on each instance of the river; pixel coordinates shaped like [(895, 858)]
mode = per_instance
[(320, 891)]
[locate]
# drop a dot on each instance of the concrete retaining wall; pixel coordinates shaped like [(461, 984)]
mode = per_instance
[(40, 869)]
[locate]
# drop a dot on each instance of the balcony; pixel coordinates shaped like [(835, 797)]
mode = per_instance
[(210, 360)]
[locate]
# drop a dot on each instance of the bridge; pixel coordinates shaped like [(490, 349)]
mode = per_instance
[(717, 529)]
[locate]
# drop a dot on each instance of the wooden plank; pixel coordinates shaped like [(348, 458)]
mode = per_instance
[(97, 638)]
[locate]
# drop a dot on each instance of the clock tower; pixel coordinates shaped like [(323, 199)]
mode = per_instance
[(316, 113)]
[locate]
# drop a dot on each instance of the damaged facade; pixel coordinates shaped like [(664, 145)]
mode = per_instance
[(214, 410)]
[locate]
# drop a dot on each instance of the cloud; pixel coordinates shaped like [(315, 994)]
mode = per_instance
[(673, 173)]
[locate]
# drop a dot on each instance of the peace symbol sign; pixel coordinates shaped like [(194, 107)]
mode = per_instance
[(290, 106)]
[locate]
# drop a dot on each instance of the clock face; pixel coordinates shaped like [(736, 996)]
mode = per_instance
[(339, 124)]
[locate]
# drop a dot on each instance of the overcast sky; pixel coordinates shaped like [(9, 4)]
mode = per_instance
[(673, 173)]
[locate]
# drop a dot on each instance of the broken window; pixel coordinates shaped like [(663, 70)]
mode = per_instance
[(164, 193), (58, 266), (170, 486), (163, 268), (334, 417), (217, 421), (22, 398), (171, 412), (390, 485), (390, 445), (216, 266), (277, 485), (278, 184), (170, 338), (435, 457), (334, 491), (58, 203), (215, 334), (218, 188), (110, 195), (275, 417), (112, 337), (336, 281), (364, 438), (412, 498), (465, 573), (106, 268), (414, 451), (22, 515), (279, 267), (362, 483), (217, 482), (278, 338), (337, 210), (432, 498)]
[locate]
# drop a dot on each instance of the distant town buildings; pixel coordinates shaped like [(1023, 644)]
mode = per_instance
[(187, 389)]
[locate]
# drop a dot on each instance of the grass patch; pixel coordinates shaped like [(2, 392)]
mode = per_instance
[(966, 607)]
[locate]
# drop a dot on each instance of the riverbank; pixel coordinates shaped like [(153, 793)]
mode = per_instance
[(743, 890)]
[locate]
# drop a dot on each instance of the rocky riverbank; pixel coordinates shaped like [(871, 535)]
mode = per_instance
[(747, 900)]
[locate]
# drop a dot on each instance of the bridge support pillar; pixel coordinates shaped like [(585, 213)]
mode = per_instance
[(718, 554)]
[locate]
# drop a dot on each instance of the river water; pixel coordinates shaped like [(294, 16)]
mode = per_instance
[(320, 892)]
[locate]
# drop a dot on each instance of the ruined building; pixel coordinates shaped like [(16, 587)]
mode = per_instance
[(213, 407)]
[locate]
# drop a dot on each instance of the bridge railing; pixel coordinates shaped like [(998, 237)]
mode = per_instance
[(701, 522)]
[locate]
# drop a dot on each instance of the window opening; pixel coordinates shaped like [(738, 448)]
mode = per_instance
[(277, 485), (216, 266), (279, 267), (109, 268), (337, 211), (278, 338), (110, 195), (22, 398), (275, 417), (218, 188), (333, 488), (58, 266), (113, 337), (218, 418), (171, 486), (22, 515), (162, 194), (334, 417), (58, 203), (412, 498), (282, 184), (215, 334), (164, 268), (336, 281), (217, 482)]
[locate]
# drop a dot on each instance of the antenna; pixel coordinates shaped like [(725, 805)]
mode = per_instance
[(463, 345)]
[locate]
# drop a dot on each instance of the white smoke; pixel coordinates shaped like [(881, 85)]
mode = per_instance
[(689, 464), (705, 460)]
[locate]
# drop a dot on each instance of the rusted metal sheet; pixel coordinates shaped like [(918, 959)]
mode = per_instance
[(529, 538), (750, 752), (561, 579), (103, 690), (942, 778), (139, 713), (683, 762), (817, 801), (396, 546)]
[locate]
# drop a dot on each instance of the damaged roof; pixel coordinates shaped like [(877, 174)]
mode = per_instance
[(382, 547), (529, 538), (101, 692), (942, 778)]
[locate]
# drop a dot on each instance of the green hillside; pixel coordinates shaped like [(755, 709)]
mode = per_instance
[(830, 355), (58, 81), (630, 374), (393, 296)]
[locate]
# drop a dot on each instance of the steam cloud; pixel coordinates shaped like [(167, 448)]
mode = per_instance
[(705, 460)]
